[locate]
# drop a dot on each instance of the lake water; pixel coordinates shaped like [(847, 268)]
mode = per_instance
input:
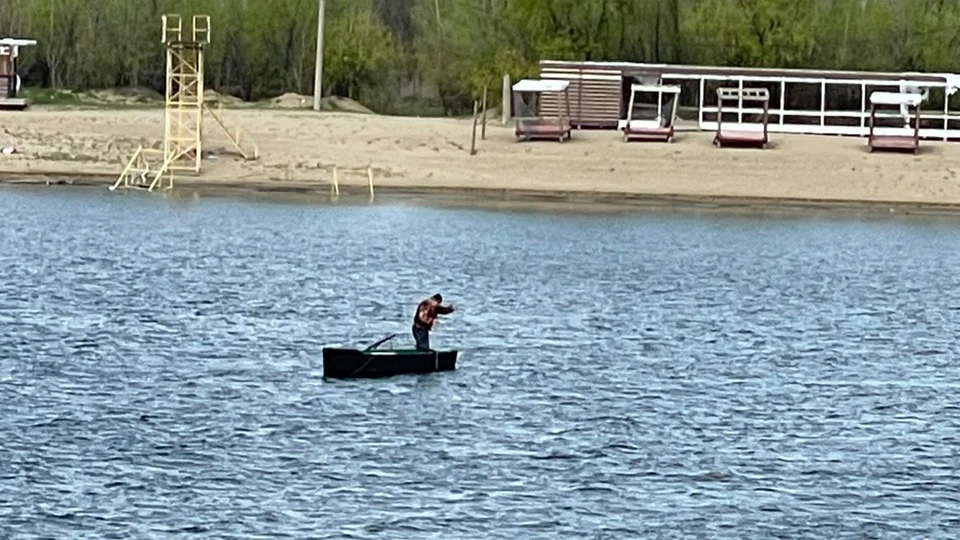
[(654, 376)]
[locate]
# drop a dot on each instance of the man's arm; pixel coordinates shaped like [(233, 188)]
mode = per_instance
[(446, 310)]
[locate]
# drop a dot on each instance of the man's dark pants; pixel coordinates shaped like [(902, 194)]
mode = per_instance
[(422, 337)]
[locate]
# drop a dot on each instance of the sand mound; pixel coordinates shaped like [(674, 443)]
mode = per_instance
[(123, 96), (291, 100), (330, 103), (214, 97), (342, 104)]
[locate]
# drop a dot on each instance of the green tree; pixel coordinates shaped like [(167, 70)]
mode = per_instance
[(262, 48), (764, 33), (360, 53)]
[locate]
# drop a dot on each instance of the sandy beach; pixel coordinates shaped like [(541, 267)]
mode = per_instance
[(423, 156)]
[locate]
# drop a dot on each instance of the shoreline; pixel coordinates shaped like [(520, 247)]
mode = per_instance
[(554, 201), (428, 161)]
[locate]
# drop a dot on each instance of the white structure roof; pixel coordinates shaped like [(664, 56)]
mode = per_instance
[(539, 85), (666, 89), (14, 42), (895, 98)]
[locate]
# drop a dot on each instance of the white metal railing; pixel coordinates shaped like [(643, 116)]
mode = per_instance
[(857, 131), (860, 117), (826, 114), (822, 128)]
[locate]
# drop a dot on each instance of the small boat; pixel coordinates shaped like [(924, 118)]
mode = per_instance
[(342, 363)]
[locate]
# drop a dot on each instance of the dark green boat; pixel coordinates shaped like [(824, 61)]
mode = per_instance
[(342, 363)]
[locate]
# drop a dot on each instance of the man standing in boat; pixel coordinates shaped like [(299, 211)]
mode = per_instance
[(425, 317)]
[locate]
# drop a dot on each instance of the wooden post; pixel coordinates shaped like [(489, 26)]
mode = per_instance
[(483, 124), (506, 107), (473, 138), (335, 188), (370, 181)]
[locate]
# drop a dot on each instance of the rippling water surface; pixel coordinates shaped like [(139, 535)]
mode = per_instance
[(624, 377)]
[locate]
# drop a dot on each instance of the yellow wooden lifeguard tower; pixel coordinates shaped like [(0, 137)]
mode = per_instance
[(184, 109)]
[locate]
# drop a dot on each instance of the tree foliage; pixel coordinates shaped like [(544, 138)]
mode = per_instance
[(374, 48), (363, 53)]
